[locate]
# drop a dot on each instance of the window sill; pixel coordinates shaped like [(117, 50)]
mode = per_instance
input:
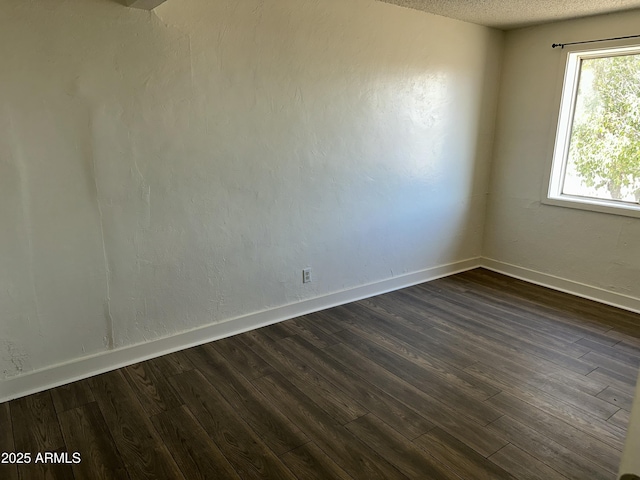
[(594, 205)]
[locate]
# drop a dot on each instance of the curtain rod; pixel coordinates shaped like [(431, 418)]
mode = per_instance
[(562, 45)]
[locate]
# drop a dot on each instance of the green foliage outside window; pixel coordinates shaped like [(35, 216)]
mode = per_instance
[(605, 139)]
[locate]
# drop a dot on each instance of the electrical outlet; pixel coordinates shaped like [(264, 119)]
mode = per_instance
[(306, 275)]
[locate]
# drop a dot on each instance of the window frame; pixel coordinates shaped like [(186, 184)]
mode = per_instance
[(569, 82)]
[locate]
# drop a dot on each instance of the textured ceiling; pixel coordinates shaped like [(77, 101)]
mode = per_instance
[(506, 14)]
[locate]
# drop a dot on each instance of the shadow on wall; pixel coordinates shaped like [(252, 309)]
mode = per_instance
[(142, 4)]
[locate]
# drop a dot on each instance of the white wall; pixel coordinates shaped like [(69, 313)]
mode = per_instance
[(161, 171), (630, 463), (596, 249)]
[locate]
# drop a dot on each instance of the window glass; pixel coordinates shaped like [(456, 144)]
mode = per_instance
[(603, 159)]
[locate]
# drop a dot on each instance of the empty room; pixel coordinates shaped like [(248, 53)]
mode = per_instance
[(319, 239)]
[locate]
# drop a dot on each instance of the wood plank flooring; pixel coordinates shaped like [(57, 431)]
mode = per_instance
[(474, 376)]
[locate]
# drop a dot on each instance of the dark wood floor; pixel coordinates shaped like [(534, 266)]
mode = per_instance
[(475, 376)]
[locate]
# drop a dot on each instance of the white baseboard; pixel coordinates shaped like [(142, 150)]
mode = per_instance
[(89, 366), (563, 285)]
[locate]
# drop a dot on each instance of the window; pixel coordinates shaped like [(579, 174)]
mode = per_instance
[(596, 159)]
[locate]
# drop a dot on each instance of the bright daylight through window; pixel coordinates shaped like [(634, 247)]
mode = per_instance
[(596, 161)]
